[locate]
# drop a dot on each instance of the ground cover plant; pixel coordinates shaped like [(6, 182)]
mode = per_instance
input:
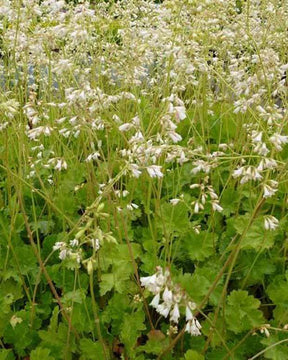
[(143, 177)]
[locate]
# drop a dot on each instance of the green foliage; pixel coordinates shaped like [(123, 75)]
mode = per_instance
[(254, 235), (143, 150), (241, 313), (275, 347), (6, 354), (200, 246), (41, 354), (91, 350), (193, 355), (132, 328), (278, 293), (174, 219)]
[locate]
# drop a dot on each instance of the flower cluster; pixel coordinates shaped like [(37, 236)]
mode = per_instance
[(169, 300), (68, 251), (206, 192)]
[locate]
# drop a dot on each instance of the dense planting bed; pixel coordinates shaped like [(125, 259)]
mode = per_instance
[(143, 180)]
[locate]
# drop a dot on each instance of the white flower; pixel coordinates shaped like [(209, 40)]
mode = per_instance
[(269, 191), (154, 171), (180, 112), (284, 67), (174, 136), (163, 309), (149, 282), (203, 199), (260, 109), (247, 173), (264, 329), (93, 156), (256, 136), (216, 206), (138, 137), (175, 314), (95, 244), (174, 201), (136, 120), (261, 149), (193, 327), (194, 186), (116, 118), (267, 164), (277, 140), (270, 222), (197, 229), (63, 254), (196, 207), (253, 173), (135, 170), (201, 165), (188, 314), (4, 126), (161, 280), (74, 242), (167, 296), (125, 127), (58, 245), (223, 146), (182, 159), (155, 302), (60, 165), (125, 193), (192, 305), (34, 133), (132, 206), (238, 172)]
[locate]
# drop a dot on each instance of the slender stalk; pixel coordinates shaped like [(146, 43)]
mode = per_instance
[(96, 316), (43, 268)]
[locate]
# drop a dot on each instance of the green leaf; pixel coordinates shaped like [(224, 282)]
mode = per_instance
[(200, 282), (133, 325), (274, 350), (216, 337), (76, 296), (41, 354), (230, 201), (65, 279), (200, 246), (278, 293), (53, 326), (82, 317), (242, 312), (173, 218), (154, 346), (116, 308), (107, 283), (44, 226), (27, 261), (91, 350), (10, 291), (121, 271), (6, 354), (217, 354), (256, 237), (56, 341), (254, 266), (21, 336), (193, 355)]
